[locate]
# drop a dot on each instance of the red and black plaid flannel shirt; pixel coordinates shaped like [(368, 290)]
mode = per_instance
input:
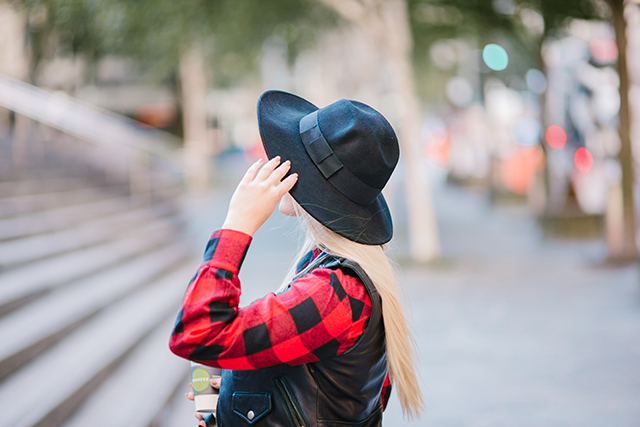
[(321, 316)]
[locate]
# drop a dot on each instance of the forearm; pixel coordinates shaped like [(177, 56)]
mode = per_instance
[(211, 301)]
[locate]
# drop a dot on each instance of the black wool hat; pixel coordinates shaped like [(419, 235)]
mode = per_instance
[(343, 154)]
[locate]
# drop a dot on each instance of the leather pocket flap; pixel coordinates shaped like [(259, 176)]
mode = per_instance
[(251, 406)]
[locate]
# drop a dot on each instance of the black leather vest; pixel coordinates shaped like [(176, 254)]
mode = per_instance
[(341, 391)]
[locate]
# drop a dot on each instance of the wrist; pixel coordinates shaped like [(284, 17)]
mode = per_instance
[(227, 249), (239, 226)]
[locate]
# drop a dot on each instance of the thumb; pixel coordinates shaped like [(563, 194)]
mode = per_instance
[(215, 382)]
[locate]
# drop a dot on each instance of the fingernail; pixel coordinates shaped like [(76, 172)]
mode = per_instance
[(260, 160), (277, 158)]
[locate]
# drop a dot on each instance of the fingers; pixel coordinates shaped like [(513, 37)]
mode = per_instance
[(215, 382), (199, 416), (272, 172), (287, 184), (201, 421), (279, 173), (266, 170), (250, 174)]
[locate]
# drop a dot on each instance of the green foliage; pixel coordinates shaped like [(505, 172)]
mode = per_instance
[(155, 32), (556, 13)]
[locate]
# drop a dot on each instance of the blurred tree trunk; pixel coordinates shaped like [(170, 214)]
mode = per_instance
[(387, 22), (193, 83), (629, 251), (14, 54), (546, 179)]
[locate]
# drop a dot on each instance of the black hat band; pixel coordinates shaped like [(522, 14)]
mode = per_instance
[(330, 166)]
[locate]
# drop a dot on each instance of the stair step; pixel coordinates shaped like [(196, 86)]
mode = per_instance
[(31, 203), (137, 391), (55, 219), (31, 248), (48, 390), (20, 285), (179, 411), (40, 186), (26, 332), (43, 169)]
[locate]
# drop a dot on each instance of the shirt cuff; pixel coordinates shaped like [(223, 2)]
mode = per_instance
[(227, 249)]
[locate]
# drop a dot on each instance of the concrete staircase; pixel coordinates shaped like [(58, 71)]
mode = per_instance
[(91, 279)]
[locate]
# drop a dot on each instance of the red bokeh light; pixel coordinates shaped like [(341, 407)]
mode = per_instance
[(604, 50), (556, 137), (583, 159)]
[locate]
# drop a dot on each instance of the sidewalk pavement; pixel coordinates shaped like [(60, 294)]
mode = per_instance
[(517, 331), (512, 330)]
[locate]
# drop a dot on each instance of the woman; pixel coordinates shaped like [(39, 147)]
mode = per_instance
[(320, 352)]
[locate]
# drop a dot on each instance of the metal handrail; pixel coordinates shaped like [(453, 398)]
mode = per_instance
[(87, 122)]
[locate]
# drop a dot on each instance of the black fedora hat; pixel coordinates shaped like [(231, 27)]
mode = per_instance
[(344, 155)]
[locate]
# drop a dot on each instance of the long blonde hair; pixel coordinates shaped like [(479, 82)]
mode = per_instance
[(400, 345)]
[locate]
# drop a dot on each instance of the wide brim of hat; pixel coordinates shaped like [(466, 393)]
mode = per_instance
[(279, 115)]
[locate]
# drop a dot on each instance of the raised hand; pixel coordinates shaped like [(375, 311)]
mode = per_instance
[(258, 194)]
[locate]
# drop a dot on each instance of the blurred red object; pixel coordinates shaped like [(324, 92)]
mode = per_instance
[(437, 148), (517, 172), (256, 151), (160, 115), (556, 137), (583, 159), (604, 50)]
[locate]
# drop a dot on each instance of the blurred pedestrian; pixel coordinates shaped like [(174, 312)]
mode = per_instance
[(325, 348)]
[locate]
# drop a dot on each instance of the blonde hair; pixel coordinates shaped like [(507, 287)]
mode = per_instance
[(400, 345)]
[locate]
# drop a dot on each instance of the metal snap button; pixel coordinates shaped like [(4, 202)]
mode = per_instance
[(250, 415)]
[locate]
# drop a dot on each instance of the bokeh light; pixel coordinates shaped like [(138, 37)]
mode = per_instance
[(583, 159), (459, 91), (518, 170), (437, 142), (505, 7), (443, 54), (495, 57), (527, 131), (536, 81), (604, 50), (606, 102), (556, 137)]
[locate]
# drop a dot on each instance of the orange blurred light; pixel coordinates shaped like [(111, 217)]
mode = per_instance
[(518, 171), (159, 115), (604, 49), (583, 159), (437, 148), (556, 137)]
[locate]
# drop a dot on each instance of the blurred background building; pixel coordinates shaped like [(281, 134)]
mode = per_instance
[(124, 126)]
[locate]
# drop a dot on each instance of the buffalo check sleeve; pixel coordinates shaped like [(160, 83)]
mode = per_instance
[(321, 315)]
